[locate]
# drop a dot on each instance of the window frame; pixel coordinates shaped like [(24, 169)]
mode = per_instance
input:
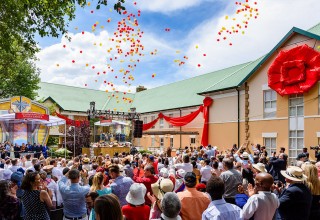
[(269, 112)]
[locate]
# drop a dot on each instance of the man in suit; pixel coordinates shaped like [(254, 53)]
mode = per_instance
[(295, 200), (277, 164)]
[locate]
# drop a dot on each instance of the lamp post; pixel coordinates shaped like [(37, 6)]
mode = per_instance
[(74, 139)]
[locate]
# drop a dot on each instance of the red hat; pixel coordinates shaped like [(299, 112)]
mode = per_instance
[(200, 186)]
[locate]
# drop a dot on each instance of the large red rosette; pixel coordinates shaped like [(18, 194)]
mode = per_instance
[(295, 71)]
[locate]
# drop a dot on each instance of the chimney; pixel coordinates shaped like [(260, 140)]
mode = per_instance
[(140, 88)]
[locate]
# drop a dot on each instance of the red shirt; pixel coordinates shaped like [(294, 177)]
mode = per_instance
[(136, 212), (147, 181)]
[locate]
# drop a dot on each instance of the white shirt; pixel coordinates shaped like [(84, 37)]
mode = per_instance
[(262, 205), (205, 173), (28, 164), (220, 210), (185, 166), (57, 172)]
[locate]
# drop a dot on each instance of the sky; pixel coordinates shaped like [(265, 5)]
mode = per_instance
[(167, 33)]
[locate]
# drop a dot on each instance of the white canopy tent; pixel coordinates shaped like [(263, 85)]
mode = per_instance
[(53, 121), (111, 122)]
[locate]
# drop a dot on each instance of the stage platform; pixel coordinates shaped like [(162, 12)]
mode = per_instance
[(105, 150)]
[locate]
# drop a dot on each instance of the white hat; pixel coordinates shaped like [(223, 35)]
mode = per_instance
[(180, 173), (245, 155), (161, 187), (260, 167), (294, 173), (136, 194), (6, 175), (164, 172)]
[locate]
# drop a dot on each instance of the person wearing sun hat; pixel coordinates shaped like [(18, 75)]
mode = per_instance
[(259, 168), (295, 200), (159, 189), (136, 208)]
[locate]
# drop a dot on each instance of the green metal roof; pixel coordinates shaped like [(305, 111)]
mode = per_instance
[(71, 98), (179, 94), (185, 93), (315, 29)]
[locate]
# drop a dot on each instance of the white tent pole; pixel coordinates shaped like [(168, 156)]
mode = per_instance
[(65, 140)]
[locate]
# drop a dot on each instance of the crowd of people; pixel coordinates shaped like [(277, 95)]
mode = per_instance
[(196, 183), (8, 149)]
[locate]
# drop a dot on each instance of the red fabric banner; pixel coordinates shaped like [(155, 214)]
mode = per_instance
[(150, 124), (69, 121), (31, 115), (184, 120), (294, 71), (205, 131), (181, 121)]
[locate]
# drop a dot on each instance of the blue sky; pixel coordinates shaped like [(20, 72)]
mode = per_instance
[(193, 24)]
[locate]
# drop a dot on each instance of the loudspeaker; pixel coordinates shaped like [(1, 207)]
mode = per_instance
[(138, 126)]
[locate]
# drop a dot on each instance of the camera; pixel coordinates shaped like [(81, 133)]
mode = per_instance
[(314, 148)]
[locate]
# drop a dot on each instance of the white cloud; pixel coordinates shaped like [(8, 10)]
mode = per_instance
[(166, 6), (56, 61), (276, 18)]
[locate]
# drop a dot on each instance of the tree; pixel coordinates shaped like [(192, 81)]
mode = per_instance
[(23, 80), (20, 21), (81, 135)]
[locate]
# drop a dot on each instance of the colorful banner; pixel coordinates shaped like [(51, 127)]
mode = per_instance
[(31, 115)]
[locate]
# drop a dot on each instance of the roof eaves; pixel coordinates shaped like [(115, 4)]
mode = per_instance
[(292, 31), (169, 109), (218, 90), (51, 99)]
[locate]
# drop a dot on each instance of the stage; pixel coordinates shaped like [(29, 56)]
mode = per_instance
[(105, 150)]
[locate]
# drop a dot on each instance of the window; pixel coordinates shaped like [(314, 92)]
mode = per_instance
[(145, 119), (171, 142), (170, 125), (152, 119), (270, 103), (161, 123), (192, 140), (296, 126), (271, 145), (161, 142), (152, 142)]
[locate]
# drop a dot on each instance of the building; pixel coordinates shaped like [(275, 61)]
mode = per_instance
[(244, 109)]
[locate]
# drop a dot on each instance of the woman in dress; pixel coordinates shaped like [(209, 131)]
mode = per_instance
[(97, 185), (35, 198)]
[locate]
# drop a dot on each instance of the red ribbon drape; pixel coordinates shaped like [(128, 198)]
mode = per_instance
[(69, 121), (150, 124), (205, 131), (184, 120)]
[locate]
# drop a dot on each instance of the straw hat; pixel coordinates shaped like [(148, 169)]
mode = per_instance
[(260, 167), (294, 173), (245, 155), (48, 168), (86, 160), (136, 194), (161, 187)]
